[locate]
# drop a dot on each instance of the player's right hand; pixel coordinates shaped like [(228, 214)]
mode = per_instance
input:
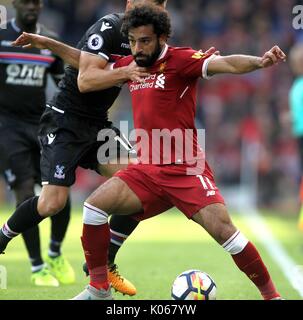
[(272, 56), (135, 73), (211, 50), (30, 40)]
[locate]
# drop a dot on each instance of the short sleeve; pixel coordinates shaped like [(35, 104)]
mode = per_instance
[(193, 63), (100, 38)]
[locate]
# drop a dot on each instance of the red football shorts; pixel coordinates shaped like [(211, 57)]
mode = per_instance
[(162, 187)]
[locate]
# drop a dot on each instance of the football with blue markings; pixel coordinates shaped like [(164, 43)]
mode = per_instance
[(194, 285)]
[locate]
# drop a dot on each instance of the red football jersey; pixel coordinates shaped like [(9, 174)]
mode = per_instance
[(164, 107)]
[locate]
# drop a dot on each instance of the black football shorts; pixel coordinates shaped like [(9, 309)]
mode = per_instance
[(19, 151), (69, 141)]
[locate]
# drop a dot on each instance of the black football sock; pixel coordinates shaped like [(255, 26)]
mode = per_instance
[(59, 226), (120, 228), (25, 217), (112, 252), (31, 239), (31, 236)]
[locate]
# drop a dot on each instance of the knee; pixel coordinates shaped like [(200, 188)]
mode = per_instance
[(50, 206), (216, 221), (223, 232), (223, 228), (107, 197)]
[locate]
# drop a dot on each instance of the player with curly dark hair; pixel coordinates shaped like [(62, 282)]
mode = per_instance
[(166, 175), (142, 15)]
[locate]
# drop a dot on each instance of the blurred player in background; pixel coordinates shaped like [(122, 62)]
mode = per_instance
[(166, 100), (23, 78), (70, 125), (296, 110)]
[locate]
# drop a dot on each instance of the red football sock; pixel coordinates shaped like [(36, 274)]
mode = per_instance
[(98, 277), (250, 262), (95, 242)]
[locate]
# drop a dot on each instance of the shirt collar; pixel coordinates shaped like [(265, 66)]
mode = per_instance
[(163, 52)]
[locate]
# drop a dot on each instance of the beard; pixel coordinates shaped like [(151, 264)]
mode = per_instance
[(144, 60), (29, 20)]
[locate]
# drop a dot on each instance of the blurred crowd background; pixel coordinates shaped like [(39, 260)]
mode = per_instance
[(236, 111)]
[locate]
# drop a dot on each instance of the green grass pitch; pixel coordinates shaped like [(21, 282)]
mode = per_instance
[(154, 255)]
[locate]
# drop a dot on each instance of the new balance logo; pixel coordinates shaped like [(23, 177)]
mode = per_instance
[(105, 26), (210, 193), (160, 82)]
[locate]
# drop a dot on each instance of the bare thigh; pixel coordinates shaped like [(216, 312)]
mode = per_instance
[(216, 221), (115, 197)]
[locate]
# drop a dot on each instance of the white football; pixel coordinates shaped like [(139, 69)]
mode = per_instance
[(194, 285)]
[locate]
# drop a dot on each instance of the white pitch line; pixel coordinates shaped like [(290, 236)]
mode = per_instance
[(290, 269)]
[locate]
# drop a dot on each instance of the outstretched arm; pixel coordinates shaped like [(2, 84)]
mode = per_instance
[(67, 53), (95, 74), (243, 63)]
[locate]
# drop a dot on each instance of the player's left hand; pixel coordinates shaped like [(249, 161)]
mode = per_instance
[(273, 56)]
